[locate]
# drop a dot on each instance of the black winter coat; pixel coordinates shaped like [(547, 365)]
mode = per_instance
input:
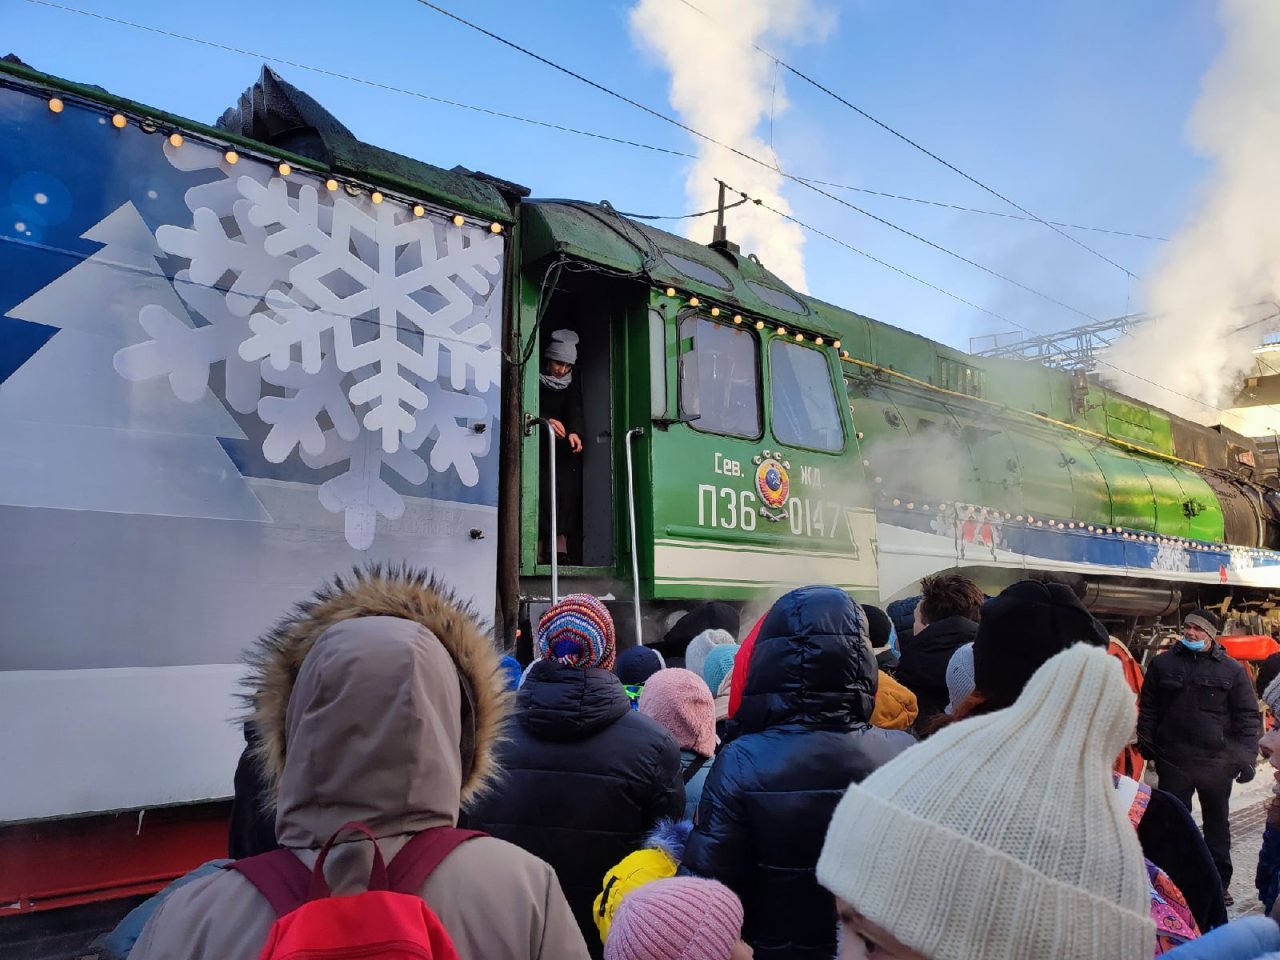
[(566, 406), (922, 664), (253, 822), (584, 780), (802, 736), (1198, 710), (1171, 840)]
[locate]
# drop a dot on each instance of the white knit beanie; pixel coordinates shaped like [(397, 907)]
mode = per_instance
[(998, 837)]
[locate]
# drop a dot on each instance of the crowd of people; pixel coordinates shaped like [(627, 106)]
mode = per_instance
[(948, 782)]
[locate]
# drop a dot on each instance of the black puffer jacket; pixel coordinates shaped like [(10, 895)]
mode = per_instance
[(1198, 709), (585, 778), (802, 736), (922, 663)]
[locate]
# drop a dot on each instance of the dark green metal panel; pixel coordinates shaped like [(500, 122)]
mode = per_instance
[(1200, 506), (905, 352), (1170, 518), (1019, 385), (1094, 416), (1090, 493), (596, 234), (1130, 421), (1132, 502), (886, 448), (1044, 472), (526, 327), (1059, 393), (998, 481), (853, 330), (711, 530)]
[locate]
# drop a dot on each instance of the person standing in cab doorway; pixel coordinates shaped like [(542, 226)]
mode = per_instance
[(560, 403)]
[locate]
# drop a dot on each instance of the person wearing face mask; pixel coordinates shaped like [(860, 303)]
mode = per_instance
[(1198, 723)]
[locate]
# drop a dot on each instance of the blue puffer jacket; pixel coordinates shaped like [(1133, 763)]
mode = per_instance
[(1251, 938), (1267, 879), (801, 737)]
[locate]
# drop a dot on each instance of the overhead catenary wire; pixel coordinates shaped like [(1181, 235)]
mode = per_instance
[(979, 210), (921, 148), (656, 113), (685, 216), (364, 81), (668, 119), (672, 120), (1021, 326), (532, 121), (870, 256)]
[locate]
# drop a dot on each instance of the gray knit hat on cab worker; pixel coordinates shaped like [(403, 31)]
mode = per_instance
[(563, 346)]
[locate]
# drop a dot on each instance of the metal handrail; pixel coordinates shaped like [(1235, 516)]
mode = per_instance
[(635, 550)]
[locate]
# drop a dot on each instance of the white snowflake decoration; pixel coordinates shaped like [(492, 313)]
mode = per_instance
[(436, 260), (1171, 557), (1239, 559), (351, 313)]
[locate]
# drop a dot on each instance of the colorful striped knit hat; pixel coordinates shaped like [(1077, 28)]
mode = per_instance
[(578, 632)]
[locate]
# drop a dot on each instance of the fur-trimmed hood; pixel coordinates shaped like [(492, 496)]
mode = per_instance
[(380, 699)]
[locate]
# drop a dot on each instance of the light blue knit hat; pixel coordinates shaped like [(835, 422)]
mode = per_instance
[(695, 655), (718, 664)]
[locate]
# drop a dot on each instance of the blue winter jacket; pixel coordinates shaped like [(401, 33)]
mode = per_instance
[(1250, 938), (117, 944), (801, 736), (1267, 879)]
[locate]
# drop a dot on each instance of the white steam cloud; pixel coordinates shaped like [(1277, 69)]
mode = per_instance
[(1221, 272), (725, 89)]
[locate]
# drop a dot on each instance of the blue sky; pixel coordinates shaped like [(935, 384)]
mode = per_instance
[(1076, 110)]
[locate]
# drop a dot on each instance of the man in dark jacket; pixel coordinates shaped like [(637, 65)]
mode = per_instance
[(802, 736), (586, 778), (945, 620), (1198, 721)]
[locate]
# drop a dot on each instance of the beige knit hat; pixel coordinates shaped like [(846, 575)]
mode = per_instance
[(998, 838)]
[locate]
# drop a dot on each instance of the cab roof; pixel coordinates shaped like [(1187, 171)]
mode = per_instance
[(596, 233)]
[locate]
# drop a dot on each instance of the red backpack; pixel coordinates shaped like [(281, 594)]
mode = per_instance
[(387, 922)]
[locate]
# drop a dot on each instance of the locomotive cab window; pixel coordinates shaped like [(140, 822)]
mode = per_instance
[(719, 378), (805, 410)]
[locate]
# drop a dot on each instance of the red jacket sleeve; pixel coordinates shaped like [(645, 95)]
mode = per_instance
[(739, 681)]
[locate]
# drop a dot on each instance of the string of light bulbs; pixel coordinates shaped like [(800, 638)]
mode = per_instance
[(231, 156)]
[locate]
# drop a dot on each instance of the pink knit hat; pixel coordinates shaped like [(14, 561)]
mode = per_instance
[(682, 918), (680, 701)]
